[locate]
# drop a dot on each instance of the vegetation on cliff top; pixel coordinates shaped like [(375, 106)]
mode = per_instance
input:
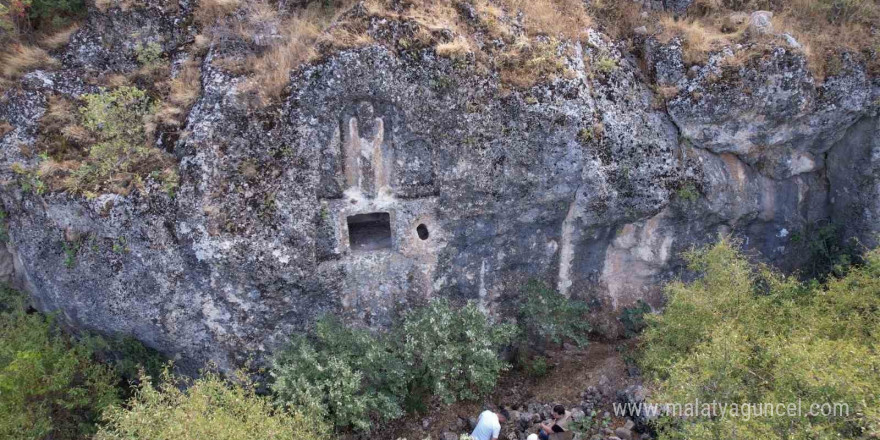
[(525, 42)]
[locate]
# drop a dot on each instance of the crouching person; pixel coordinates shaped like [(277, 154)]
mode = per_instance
[(489, 425), (559, 424)]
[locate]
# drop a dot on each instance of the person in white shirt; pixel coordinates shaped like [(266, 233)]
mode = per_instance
[(489, 425)]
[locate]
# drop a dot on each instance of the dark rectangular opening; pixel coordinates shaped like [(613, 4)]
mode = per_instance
[(369, 232)]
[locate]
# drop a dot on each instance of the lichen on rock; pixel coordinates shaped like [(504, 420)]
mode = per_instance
[(387, 174)]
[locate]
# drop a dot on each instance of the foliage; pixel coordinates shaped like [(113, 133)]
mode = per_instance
[(606, 64), (743, 333), (70, 248), (454, 351), (545, 314), (590, 422), (537, 367), (49, 385), (4, 227), (122, 155), (28, 179), (633, 318), (346, 374), (688, 193), (828, 252), (148, 54), (530, 61), (21, 17), (354, 377), (127, 355), (210, 408)]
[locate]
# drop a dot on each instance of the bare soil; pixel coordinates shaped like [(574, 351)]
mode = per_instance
[(600, 364)]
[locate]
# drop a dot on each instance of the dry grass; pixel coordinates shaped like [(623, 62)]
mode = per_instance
[(824, 29), (553, 18), (61, 136), (617, 18), (698, 37), (58, 39), (309, 32), (21, 59), (457, 49), (209, 11), (5, 127), (185, 87), (532, 31), (183, 92), (529, 62), (824, 35), (667, 92), (272, 69), (301, 35)]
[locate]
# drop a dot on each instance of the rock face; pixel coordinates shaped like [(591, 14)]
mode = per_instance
[(386, 178)]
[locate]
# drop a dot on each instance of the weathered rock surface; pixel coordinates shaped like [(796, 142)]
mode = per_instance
[(586, 183)]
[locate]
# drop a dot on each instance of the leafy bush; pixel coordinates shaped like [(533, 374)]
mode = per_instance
[(127, 355), (545, 314), (536, 367), (355, 378), (210, 408), (688, 193), (345, 374), (633, 318), (120, 121), (743, 333), (453, 351), (829, 253), (4, 227), (20, 17), (49, 385)]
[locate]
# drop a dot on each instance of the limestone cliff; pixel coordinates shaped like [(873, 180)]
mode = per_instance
[(386, 176)]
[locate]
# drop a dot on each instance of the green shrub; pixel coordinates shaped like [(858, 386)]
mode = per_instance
[(537, 367), (345, 374), (123, 154), (544, 314), (688, 193), (148, 54), (606, 64), (743, 333), (127, 355), (210, 408), (633, 318), (4, 227), (356, 378), (829, 253), (55, 13), (49, 385), (453, 351), (20, 17)]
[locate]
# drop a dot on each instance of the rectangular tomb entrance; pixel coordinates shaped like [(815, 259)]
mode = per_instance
[(368, 232)]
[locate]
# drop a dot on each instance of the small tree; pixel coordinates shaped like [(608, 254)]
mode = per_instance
[(743, 333), (50, 386), (544, 315)]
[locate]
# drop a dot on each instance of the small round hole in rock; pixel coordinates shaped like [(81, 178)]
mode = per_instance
[(422, 230)]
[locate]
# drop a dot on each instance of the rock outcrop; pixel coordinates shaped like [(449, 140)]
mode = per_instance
[(386, 178)]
